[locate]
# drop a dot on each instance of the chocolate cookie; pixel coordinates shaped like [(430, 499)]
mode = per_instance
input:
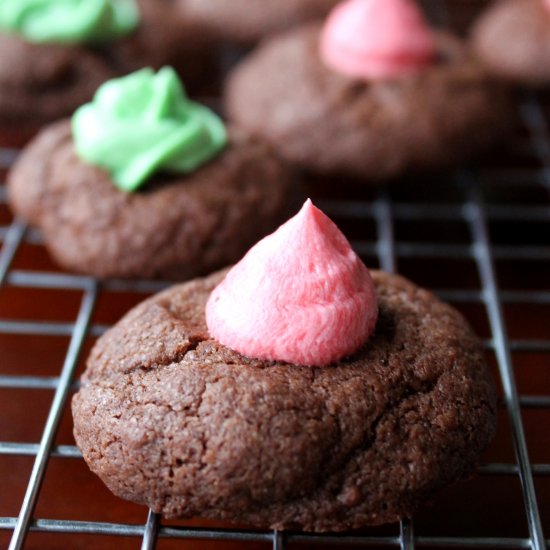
[(512, 37), (247, 21), (170, 418), (330, 123), (41, 83), (175, 227)]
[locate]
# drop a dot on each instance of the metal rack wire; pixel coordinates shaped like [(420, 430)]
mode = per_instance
[(472, 205)]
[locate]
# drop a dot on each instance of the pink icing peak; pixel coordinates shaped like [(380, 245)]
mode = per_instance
[(300, 295), (375, 39)]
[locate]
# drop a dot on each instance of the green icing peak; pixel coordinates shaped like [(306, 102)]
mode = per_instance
[(143, 123), (69, 21)]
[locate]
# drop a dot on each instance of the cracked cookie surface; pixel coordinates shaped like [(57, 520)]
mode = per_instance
[(168, 417)]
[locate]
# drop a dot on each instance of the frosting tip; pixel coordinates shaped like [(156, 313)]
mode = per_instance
[(374, 39), (300, 295)]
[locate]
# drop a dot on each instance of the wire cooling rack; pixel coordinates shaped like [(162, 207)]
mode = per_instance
[(478, 238)]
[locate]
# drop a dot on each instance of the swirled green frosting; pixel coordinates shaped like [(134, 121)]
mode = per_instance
[(144, 123), (69, 21)]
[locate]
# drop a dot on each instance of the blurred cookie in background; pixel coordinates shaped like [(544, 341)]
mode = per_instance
[(512, 37), (54, 56), (372, 94)]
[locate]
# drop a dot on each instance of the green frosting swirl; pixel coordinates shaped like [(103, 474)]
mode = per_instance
[(143, 123), (69, 21)]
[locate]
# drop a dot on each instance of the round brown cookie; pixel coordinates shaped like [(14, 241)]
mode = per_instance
[(330, 123), (168, 417), (512, 37), (175, 227), (41, 83), (247, 21)]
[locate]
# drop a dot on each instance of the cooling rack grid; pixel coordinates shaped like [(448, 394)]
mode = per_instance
[(478, 238)]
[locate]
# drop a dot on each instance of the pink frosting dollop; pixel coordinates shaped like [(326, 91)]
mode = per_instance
[(301, 295), (375, 39)]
